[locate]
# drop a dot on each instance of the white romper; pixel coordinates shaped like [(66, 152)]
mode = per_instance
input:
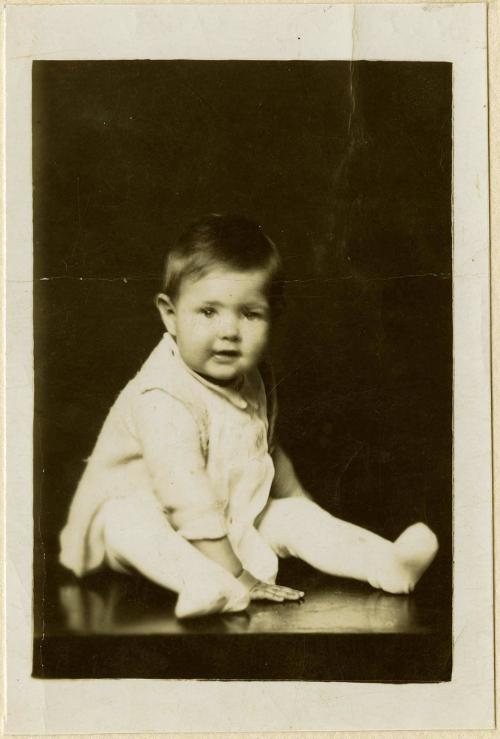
[(197, 450)]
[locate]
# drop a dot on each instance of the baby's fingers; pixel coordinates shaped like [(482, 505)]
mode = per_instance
[(266, 594), (290, 593), (277, 593)]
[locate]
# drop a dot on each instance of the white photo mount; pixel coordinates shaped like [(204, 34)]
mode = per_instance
[(452, 33)]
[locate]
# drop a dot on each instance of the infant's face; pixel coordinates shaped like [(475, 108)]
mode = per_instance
[(221, 323)]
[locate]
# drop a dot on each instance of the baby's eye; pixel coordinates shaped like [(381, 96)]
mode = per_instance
[(207, 312), (252, 315)]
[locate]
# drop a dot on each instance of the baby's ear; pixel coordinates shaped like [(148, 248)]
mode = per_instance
[(166, 309)]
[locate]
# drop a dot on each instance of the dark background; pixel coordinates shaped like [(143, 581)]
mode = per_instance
[(348, 168)]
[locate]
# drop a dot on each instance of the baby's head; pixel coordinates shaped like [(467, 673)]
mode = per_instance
[(223, 283)]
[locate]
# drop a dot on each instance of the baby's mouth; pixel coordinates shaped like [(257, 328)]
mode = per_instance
[(226, 354)]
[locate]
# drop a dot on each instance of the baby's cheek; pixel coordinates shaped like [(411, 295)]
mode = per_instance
[(200, 336), (261, 336)]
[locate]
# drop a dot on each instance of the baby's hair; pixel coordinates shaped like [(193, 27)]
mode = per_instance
[(233, 241)]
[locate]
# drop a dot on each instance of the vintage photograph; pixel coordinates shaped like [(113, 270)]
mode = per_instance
[(248, 454), (243, 363)]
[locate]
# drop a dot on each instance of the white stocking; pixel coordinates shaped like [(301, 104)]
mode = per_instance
[(138, 536), (300, 528)]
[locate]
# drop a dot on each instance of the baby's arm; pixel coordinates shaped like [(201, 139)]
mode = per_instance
[(286, 483), (170, 441), (221, 551)]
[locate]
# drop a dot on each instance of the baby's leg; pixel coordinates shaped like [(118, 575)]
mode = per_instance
[(300, 528), (138, 536)]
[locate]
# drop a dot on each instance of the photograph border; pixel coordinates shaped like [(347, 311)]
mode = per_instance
[(447, 33)]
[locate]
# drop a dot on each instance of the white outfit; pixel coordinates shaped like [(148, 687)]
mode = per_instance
[(179, 458), (194, 450)]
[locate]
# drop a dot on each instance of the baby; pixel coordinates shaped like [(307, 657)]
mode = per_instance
[(187, 483)]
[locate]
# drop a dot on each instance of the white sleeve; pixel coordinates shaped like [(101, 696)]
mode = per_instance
[(171, 444)]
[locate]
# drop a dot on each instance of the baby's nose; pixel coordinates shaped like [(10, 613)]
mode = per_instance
[(229, 328)]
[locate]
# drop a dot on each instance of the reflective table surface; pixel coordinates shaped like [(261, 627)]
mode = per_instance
[(112, 625)]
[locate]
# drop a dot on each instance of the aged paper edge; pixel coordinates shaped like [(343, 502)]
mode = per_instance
[(494, 174)]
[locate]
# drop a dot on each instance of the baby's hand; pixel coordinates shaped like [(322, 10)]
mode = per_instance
[(279, 593)]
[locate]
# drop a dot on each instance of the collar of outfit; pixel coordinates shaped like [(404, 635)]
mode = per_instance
[(240, 395)]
